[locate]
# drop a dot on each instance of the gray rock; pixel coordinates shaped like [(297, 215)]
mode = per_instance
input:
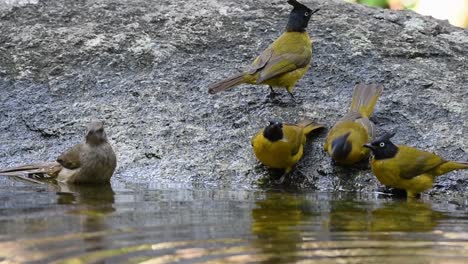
[(144, 68)]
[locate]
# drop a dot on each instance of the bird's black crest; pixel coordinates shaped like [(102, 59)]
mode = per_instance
[(299, 17), (382, 147)]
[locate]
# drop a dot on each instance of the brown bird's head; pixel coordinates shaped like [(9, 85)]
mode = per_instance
[(274, 131), (382, 147), (341, 147), (299, 17), (96, 134)]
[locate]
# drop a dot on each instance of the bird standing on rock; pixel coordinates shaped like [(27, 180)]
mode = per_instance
[(344, 142), (280, 146), (408, 168), (284, 62), (93, 161)]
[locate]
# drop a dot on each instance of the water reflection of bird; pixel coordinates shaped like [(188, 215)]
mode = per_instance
[(393, 216), (92, 204), (275, 222)]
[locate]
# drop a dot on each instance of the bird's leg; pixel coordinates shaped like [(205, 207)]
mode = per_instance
[(292, 96), (281, 180), (272, 92)]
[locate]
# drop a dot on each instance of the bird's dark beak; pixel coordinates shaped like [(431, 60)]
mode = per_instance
[(315, 11), (369, 146)]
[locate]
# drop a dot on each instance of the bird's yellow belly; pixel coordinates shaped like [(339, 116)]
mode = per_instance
[(287, 80), (391, 177), (417, 184)]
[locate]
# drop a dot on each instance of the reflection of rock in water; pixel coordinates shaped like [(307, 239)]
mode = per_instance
[(93, 205), (276, 224), (393, 216)]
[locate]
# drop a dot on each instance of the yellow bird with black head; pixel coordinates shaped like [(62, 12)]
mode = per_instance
[(406, 167), (281, 146), (344, 142), (284, 62)]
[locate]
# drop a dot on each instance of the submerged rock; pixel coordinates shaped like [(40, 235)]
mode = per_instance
[(144, 68)]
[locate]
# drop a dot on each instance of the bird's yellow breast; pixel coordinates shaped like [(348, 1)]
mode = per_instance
[(293, 42)]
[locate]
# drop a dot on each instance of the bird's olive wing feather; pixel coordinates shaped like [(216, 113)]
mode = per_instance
[(71, 158), (280, 64), (368, 125), (415, 162), (350, 116), (365, 122), (293, 134), (261, 61)]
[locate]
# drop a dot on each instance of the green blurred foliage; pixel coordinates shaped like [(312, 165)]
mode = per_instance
[(378, 3)]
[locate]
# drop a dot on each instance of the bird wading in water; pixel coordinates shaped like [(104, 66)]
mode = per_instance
[(407, 168), (280, 146), (93, 161), (284, 62), (344, 142)]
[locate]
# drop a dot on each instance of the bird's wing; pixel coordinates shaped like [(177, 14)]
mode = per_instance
[(365, 122), (416, 162), (293, 134), (71, 158), (30, 171), (368, 125), (350, 116), (282, 63), (261, 61)]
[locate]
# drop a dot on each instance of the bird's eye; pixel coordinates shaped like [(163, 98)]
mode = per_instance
[(306, 14), (382, 144)]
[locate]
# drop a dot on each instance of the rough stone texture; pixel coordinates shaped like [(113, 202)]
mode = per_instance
[(144, 67)]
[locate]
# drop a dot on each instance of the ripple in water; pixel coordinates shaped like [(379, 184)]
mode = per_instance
[(70, 224)]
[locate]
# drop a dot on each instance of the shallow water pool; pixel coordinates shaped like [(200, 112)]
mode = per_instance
[(133, 224)]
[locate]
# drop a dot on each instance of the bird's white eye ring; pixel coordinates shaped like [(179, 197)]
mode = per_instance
[(382, 144), (306, 14)]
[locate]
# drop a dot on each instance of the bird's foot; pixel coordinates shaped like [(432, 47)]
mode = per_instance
[(280, 180), (272, 98), (296, 101), (272, 94)]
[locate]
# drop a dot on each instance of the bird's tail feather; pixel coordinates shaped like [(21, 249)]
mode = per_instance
[(452, 165), (309, 126), (227, 83), (364, 98), (46, 168)]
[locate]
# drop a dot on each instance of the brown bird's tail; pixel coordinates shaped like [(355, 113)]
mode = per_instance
[(364, 98), (227, 83), (25, 172), (309, 126), (450, 166)]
